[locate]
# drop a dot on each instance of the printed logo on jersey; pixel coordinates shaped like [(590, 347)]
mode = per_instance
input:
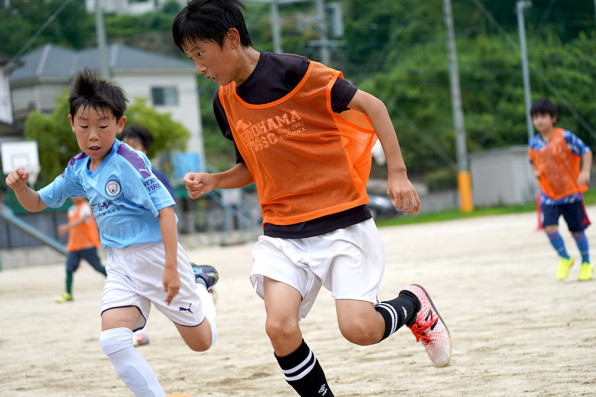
[(113, 188), (270, 131), (151, 184)]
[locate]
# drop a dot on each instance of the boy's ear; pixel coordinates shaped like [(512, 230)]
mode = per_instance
[(120, 125), (554, 119), (233, 37), (71, 123)]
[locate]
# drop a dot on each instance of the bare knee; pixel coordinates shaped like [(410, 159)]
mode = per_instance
[(280, 331), (551, 228), (198, 339), (199, 346)]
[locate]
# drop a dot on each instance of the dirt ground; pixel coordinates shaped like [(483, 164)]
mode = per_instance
[(515, 329)]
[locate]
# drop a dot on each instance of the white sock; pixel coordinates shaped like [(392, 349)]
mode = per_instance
[(129, 364), (208, 309)]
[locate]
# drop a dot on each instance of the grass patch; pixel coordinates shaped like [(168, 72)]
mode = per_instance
[(448, 215)]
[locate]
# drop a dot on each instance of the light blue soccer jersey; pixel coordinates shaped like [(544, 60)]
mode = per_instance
[(123, 193)]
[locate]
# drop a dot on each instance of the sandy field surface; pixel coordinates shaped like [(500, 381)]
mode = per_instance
[(515, 329)]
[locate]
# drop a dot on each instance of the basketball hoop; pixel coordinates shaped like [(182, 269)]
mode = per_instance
[(21, 154)]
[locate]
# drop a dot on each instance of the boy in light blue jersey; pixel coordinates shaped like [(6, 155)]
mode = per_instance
[(135, 216)]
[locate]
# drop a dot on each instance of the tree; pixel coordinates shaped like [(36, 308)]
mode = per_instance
[(20, 20), (56, 143)]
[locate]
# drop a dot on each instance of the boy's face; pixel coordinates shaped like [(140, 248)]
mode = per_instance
[(135, 143), (213, 61), (96, 131), (543, 122)]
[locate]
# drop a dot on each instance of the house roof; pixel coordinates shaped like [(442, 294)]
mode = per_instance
[(58, 62), (4, 58)]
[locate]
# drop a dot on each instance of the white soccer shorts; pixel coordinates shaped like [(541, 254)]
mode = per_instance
[(349, 262), (135, 279)]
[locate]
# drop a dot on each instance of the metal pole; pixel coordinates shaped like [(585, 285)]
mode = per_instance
[(101, 41), (276, 27), (524, 58), (463, 175), (325, 52)]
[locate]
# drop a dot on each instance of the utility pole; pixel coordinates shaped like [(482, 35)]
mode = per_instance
[(324, 50), (276, 27), (463, 175), (275, 23), (320, 19), (101, 41), (520, 6)]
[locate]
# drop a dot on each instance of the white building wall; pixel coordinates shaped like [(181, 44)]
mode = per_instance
[(187, 112), (41, 97), (23, 98), (5, 101), (48, 94), (502, 176), (127, 6)]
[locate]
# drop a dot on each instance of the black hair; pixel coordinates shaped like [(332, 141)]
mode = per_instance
[(210, 20), (90, 91), (543, 106), (139, 132)]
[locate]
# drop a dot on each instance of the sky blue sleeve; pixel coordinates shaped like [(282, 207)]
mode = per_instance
[(148, 193), (63, 187)]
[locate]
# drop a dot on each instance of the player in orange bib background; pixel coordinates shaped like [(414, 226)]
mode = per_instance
[(556, 155), (83, 241)]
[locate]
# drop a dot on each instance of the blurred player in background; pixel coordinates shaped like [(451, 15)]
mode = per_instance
[(140, 138), (555, 155), (83, 241)]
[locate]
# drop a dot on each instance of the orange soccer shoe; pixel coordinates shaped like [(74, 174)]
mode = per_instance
[(430, 328)]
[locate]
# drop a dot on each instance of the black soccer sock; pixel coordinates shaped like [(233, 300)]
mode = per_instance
[(304, 373), (399, 311)]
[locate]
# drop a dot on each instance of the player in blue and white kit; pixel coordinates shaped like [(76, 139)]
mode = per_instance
[(135, 216)]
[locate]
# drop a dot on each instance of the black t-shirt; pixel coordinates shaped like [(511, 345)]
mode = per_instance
[(275, 76)]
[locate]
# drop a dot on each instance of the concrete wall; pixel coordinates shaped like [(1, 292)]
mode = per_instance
[(502, 176)]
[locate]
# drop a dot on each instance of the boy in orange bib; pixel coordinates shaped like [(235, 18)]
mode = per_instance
[(83, 240), (304, 135), (555, 155)]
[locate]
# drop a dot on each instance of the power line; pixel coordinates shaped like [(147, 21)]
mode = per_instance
[(51, 18), (541, 76)]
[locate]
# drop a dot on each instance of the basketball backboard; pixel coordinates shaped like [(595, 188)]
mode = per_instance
[(21, 154)]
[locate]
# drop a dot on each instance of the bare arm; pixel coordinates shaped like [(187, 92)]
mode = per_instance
[(399, 188), (63, 229), (29, 198), (169, 235), (584, 175), (199, 183)]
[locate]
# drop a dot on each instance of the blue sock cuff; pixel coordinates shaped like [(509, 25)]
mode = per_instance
[(579, 237)]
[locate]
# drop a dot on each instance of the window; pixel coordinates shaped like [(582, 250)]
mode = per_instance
[(164, 96)]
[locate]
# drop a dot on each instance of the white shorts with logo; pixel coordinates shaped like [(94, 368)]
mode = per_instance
[(349, 262), (135, 279)]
